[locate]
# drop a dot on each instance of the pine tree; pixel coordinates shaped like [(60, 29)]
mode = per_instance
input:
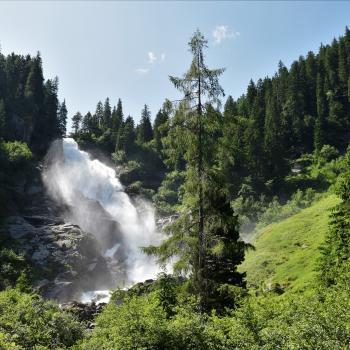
[(126, 136), (52, 122), (88, 123), (34, 95), (2, 119), (106, 122), (76, 121), (62, 118), (343, 70), (117, 117), (274, 140), (335, 259), (198, 235), (320, 124), (98, 119), (230, 108), (159, 121), (144, 130), (254, 139)]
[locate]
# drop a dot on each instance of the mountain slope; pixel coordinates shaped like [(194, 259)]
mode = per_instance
[(286, 252)]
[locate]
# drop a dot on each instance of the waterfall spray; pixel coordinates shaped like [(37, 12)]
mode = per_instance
[(88, 188)]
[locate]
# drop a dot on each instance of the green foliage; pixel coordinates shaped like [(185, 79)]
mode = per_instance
[(6, 344), (275, 211), (301, 110), (139, 323), (328, 153), (166, 293), (31, 322), (12, 266), (62, 118), (16, 154), (335, 260), (144, 129), (204, 237), (317, 321), (168, 196), (15, 162), (286, 253)]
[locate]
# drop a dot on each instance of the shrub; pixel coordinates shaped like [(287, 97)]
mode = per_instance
[(31, 322), (139, 323), (17, 153), (11, 267)]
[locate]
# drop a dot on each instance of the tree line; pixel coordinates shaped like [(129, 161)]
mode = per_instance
[(29, 107), (297, 111)]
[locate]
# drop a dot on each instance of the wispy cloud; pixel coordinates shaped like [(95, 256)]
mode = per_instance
[(222, 32), (151, 57), (142, 71)]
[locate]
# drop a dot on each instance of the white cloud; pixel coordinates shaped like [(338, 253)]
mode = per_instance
[(222, 32), (142, 71), (152, 57)]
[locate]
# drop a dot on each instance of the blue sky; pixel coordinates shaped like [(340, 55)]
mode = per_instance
[(128, 49)]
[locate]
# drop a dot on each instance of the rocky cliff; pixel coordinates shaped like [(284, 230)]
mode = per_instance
[(65, 259)]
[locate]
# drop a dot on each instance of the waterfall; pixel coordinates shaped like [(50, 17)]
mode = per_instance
[(77, 180)]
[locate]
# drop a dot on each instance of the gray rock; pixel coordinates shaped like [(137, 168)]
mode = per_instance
[(17, 227), (34, 189), (40, 255)]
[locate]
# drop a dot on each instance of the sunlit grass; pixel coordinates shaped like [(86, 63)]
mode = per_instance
[(287, 252)]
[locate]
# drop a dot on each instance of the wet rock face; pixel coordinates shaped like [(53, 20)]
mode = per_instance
[(85, 312), (68, 259), (65, 259)]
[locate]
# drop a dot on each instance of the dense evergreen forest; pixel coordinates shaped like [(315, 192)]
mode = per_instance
[(31, 117), (264, 132), (218, 172)]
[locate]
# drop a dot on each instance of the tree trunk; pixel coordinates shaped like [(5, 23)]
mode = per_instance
[(201, 235)]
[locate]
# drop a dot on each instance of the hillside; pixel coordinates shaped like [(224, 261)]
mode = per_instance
[(286, 252)]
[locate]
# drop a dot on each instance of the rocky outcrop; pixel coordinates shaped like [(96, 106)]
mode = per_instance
[(65, 259), (85, 312)]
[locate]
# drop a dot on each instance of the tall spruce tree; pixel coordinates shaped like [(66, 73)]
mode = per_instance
[(76, 122), (106, 122), (144, 130), (159, 121), (117, 116), (203, 240), (320, 123), (34, 95), (2, 119), (230, 108), (335, 259), (62, 118), (126, 136), (98, 118)]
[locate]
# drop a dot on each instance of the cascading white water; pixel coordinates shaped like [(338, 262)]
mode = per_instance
[(79, 174)]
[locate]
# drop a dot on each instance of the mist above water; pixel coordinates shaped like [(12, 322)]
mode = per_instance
[(97, 203)]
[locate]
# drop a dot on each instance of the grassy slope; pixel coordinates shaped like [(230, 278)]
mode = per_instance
[(287, 251)]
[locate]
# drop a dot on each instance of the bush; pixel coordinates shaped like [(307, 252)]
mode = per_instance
[(277, 212), (139, 323), (14, 162), (16, 153), (31, 322), (6, 344), (328, 153), (11, 267), (319, 321)]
